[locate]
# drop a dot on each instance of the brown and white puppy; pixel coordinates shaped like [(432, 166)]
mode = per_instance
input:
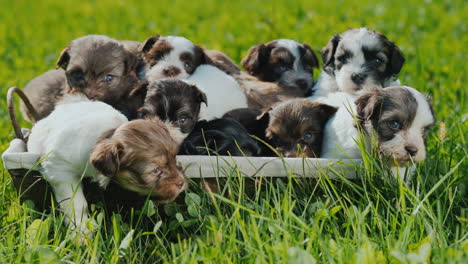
[(358, 61), (171, 57), (396, 117), (175, 102), (97, 66), (295, 127), (282, 61), (99, 143)]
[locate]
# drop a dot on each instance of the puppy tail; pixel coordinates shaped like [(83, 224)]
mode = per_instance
[(11, 110)]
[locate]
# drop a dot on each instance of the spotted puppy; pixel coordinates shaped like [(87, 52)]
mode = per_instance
[(295, 127), (97, 66), (137, 155), (175, 102), (396, 117), (170, 57), (357, 61)]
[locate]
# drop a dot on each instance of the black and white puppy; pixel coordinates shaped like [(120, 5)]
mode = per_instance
[(357, 61), (282, 61), (223, 136), (176, 102), (397, 117), (170, 57)]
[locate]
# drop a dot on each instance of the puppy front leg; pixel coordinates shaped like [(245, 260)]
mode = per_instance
[(73, 203)]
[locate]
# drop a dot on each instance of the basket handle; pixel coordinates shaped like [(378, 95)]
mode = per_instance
[(11, 110)]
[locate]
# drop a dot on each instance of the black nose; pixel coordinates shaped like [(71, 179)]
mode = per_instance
[(171, 71), (412, 150), (302, 84), (358, 78)]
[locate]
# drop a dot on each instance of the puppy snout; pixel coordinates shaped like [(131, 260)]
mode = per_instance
[(412, 150), (358, 78), (171, 71), (302, 84)]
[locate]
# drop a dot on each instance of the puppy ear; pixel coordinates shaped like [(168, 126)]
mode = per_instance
[(140, 90), (397, 59), (148, 44), (308, 56), (367, 104), (328, 54), (106, 155), (327, 111), (256, 56), (201, 56), (264, 116), (202, 97), (64, 59)]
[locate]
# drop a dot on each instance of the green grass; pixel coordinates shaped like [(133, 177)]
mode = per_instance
[(328, 221)]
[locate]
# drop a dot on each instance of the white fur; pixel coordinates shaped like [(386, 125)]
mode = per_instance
[(65, 140), (179, 45), (222, 91)]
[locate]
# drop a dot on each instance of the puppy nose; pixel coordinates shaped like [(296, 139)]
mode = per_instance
[(171, 71), (302, 84), (358, 78), (412, 150), (180, 184)]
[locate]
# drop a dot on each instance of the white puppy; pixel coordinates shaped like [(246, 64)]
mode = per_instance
[(222, 91)]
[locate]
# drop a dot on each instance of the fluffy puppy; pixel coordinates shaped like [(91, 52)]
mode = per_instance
[(357, 61), (176, 102), (396, 117), (295, 127), (138, 155), (171, 57), (222, 91), (223, 136), (97, 66), (282, 61)]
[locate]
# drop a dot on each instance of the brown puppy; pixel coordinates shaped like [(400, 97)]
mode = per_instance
[(295, 127), (175, 102), (97, 66), (141, 156)]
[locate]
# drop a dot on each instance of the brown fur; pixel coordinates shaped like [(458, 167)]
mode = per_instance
[(223, 62), (291, 120), (141, 156)]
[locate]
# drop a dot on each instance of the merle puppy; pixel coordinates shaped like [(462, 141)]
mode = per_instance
[(176, 102), (97, 66), (223, 136), (357, 61)]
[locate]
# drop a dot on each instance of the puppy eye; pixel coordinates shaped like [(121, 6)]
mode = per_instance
[(394, 125), (108, 78), (77, 74), (282, 68), (308, 136), (182, 120), (186, 65), (141, 115), (343, 58), (156, 171), (378, 61)]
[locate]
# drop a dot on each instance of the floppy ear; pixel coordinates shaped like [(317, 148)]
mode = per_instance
[(140, 90), (148, 44), (256, 56), (308, 56), (397, 59), (64, 59), (327, 111), (367, 104), (264, 116), (106, 156), (328, 54), (204, 59), (202, 97)]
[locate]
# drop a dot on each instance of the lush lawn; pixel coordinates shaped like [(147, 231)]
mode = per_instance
[(365, 221)]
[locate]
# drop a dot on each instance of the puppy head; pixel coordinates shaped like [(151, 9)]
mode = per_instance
[(171, 57), (141, 157), (284, 61), (223, 136), (175, 102), (99, 67), (399, 117), (361, 60), (298, 123)]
